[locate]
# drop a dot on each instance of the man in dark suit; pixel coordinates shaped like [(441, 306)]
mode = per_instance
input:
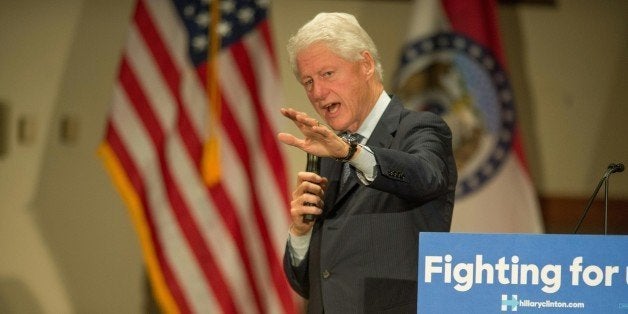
[(360, 253)]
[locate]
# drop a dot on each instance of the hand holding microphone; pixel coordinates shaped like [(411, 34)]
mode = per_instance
[(313, 165)]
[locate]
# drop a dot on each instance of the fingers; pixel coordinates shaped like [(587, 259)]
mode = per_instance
[(324, 132), (305, 204), (311, 187), (293, 115), (318, 139), (307, 120), (299, 117), (310, 177), (307, 198), (310, 127), (288, 113), (289, 139), (316, 190)]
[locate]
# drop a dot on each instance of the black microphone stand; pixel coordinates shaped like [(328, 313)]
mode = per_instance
[(606, 203), (611, 169)]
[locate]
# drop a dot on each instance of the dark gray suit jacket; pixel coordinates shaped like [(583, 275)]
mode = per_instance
[(364, 248)]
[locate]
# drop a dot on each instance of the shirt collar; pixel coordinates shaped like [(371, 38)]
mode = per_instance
[(367, 127)]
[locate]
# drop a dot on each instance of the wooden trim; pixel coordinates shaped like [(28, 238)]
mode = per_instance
[(561, 215), (551, 3)]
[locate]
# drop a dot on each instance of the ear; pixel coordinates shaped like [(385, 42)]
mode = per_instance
[(367, 64)]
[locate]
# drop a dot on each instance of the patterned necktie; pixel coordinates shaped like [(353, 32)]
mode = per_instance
[(346, 168)]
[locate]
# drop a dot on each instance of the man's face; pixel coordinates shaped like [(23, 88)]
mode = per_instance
[(338, 89)]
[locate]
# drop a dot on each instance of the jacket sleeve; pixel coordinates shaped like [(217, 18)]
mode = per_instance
[(297, 275), (418, 165)]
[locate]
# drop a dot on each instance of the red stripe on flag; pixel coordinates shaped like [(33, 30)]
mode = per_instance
[(274, 156), (190, 138), (266, 132), (264, 29), (158, 49), (237, 138), (125, 159), (140, 103), (223, 202), (265, 128), (220, 198), (136, 180), (206, 261), (181, 210)]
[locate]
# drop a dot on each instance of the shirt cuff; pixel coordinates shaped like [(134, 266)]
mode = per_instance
[(298, 246), (365, 163)]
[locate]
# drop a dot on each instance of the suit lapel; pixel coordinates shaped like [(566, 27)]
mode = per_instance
[(381, 137), (387, 126)]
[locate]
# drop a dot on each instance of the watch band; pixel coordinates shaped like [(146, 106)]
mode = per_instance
[(353, 147)]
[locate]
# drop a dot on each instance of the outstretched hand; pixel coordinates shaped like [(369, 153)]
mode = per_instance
[(318, 139)]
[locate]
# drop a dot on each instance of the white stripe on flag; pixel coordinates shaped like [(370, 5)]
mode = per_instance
[(175, 247), (216, 236), (151, 79)]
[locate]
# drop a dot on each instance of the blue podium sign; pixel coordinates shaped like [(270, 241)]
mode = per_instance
[(526, 273)]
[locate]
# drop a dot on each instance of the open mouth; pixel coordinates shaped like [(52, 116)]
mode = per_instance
[(332, 108)]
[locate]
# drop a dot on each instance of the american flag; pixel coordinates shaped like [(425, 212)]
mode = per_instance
[(190, 145)]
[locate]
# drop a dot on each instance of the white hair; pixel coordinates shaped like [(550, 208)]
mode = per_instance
[(341, 32)]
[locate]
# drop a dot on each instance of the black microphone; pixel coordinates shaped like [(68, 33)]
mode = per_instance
[(313, 165), (612, 168), (616, 167)]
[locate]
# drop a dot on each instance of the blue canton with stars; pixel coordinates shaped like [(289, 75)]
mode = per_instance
[(237, 17)]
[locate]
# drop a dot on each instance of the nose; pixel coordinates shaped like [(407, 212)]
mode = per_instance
[(318, 91)]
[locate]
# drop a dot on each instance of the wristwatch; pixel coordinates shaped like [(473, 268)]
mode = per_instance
[(353, 147)]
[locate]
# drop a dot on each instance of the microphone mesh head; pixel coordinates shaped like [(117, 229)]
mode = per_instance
[(618, 167)]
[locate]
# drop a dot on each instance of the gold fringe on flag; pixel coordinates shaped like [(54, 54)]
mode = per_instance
[(133, 202)]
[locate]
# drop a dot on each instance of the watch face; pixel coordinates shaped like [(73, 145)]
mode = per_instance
[(354, 138)]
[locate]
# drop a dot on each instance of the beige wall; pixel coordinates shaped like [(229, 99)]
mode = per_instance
[(574, 59), (66, 241)]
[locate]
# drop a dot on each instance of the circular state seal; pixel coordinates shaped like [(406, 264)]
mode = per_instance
[(453, 76)]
